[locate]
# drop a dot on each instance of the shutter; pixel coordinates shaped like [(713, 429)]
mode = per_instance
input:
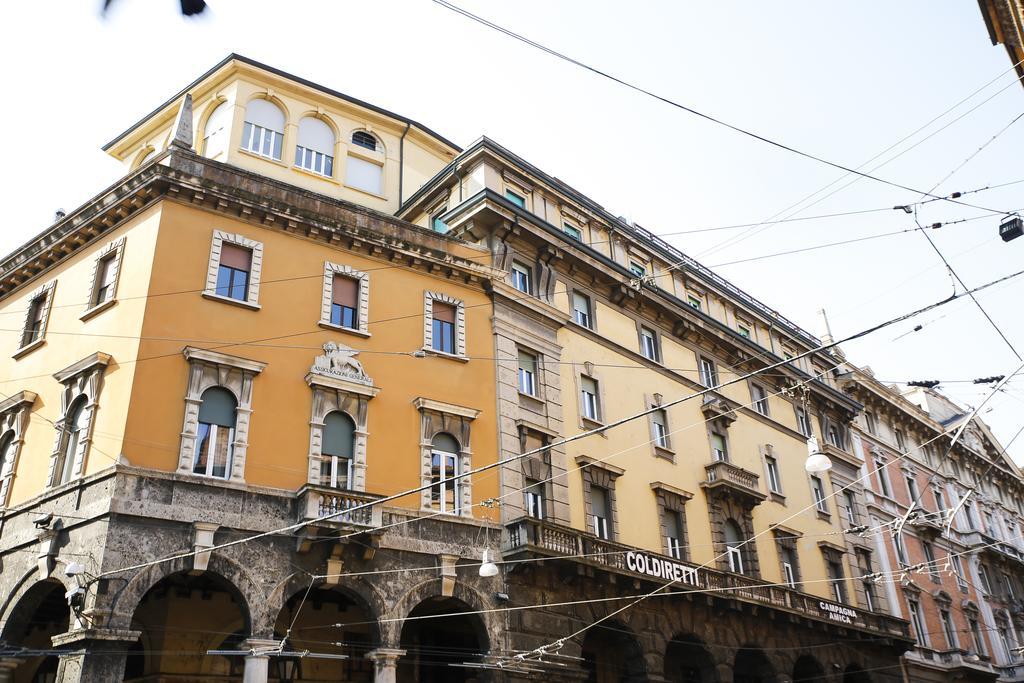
[(234, 256), (346, 291), (442, 311), (528, 362), (599, 502), (339, 435), (588, 385), (265, 113), (364, 175), (218, 407), (316, 135), (658, 417)]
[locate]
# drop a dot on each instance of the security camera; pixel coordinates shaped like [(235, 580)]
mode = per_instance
[(76, 598), (74, 569)]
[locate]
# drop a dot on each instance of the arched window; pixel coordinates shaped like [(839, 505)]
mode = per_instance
[(6, 456), (215, 135), (73, 424), (216, 435), (144, 159), (733, 543), (315, 149), (264, 128), (444, 464), (337, 450), (365, 171)]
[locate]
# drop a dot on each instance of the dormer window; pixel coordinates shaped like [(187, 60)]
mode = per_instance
[(365, 140), (315, 150), (263, 132)]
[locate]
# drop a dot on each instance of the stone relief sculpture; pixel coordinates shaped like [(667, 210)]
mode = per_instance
[(340, 360)]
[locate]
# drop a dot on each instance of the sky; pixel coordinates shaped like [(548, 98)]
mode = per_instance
[(841, 81)]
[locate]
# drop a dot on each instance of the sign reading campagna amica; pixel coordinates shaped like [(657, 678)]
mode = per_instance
[(660, 568), (838, 613)]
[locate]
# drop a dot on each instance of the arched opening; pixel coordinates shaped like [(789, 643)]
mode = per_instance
[(445, 494), (752, 666), (180, 618), (688, 661), (364, 165), (216, 435), (337, 450), (734, 545), (438, 645), (807, 669), (612, 654), (855, 674), (41, 613), (315, 149), (71, 436), (215, 133), (263, 132), (329, 621)]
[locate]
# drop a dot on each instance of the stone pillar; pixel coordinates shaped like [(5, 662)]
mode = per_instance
[(257, 662), (7, 667), (93, 655), (385, 664)]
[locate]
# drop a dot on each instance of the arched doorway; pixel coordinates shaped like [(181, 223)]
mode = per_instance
[(181, 617), (855, 674), (688, 661), (41, 613), (752, 666), (808, 669), (437, 645), (329, 621), (612, 654)]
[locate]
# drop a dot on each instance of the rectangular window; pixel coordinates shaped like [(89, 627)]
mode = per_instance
[(34, 322), (743, 330), (883, 478), (233, 271), (983, 576), (940, 500), (364, 175), (872, 425), (870, 599), (517, 199), (311, 160), (979, 643), (915, 494), (788, 575), (949, 629), (336, 471), (106, 278), (958, 569), (674, 534), (527, 373), (600, 509), (990, 525), (659, 425), (760, 398), (694, 302), (718, 449), (445, 492), (1004, 638), (637, 269), (708, 373), (438, 225), (735, 556), (834, 436), (533, 494), (838, 580), (1008, 586), (789, 565), (972, 522), (345, 302), (901, 441), (589, 398), (929, 556), (443, 337), (818, 490), (802, 423), (649, 344), (521, 279), (901, 552), (915, 619), (573, 232), (214, 445), (772, 467), (581, 310), (850, 507), (262, 141)]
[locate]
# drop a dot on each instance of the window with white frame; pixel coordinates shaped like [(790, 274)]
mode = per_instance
[(533, 498), (914, 607), (912, 489), (315, 149), (850, 507), (771, 466), (82, 382), (958, 569), (659, 428), (527, 373), (346, 298), (36, 316), (835, 436), (818, 492), (803, 424), (901, 441), (948, 628), (734, 546), (215, 133), (444, 329), (638, 269), (979, 642), (901, 552), (744, 330), (364, 166), (940, 499), (759, 398), (216, 434), (590, 401), (337, 451), (521, 277), (234, 268), (445, 493), (986, 585), (694, 302), (73, 430), (837, 578), (789, 575), (8, 450), (719, 449), (582, 312), (929, 556), (649, 344), (673, 534), (263, 132), (600, 511), (708, 373), (105, 274)]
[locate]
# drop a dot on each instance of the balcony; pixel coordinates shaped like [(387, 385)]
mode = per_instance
[(839, 454), (725, 478), (982, 542), (316, 502), (528, 536)]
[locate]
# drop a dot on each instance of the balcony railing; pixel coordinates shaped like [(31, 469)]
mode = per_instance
[(341, 506), (726, 474), (979, 540), (545, 538)]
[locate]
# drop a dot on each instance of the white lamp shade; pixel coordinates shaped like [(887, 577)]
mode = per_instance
[(817, 463), (488, 568)]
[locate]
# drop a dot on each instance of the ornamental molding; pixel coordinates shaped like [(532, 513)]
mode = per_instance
[(339, 361)]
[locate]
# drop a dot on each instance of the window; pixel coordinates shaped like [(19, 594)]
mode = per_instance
[(216, 435), (35, 320), (105, 273), (940, 500), (789, 565), (589, 398), (708, 373), (972, 522), (649, 344), (870, 599), (438, 225), (444, 327), (521, 278), (718, 448), (803, 425), (991, 526), (983, 577), (581, 310), (315, 149), (901, 552), (573, 232), (772, 467), (72, 434), (533, 498), (263, 131), (694, 302), (637, 269), (760, 398), (837, 579), (445, 492), (958, 569), (979, 643), (659, 426), (850, 507), (1008, 586), (744, 331), (365, 140), (673, 534), (345, 302), (600, 511), (7, 452), (364, 175), (883, 478), (901, 440), (872, 424), (929, 556), (215, 134), (915, 494), (734, 546), (834, 436), (516, 198), (337, 450), (233, 272), (948, 629), (914, 607), (818, 491), (527, 373), (1004, 638)]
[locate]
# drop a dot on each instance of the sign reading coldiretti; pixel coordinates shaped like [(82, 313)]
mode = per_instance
[(838, 613), (660, 568)]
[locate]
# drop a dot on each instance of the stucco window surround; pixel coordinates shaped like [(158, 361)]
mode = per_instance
[(587, 381), (649, 341), (365, 169), (660, 427), (37, 315), (106, 273), (833, 556), (719, 415), (459, 351), (316, 145), (209, 369), (332, 394), (602, 475), (518, 186), (15, 413), (672, 501), (786, 541), (362, 279), (537, 467), (772, 479), (723, 507), (265, 129), (255, 268), (79, 399), (437, 417)]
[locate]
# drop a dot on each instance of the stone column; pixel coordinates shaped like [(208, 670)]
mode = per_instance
[(93, 655), (7, 667), (257, 663), (385, 664)]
